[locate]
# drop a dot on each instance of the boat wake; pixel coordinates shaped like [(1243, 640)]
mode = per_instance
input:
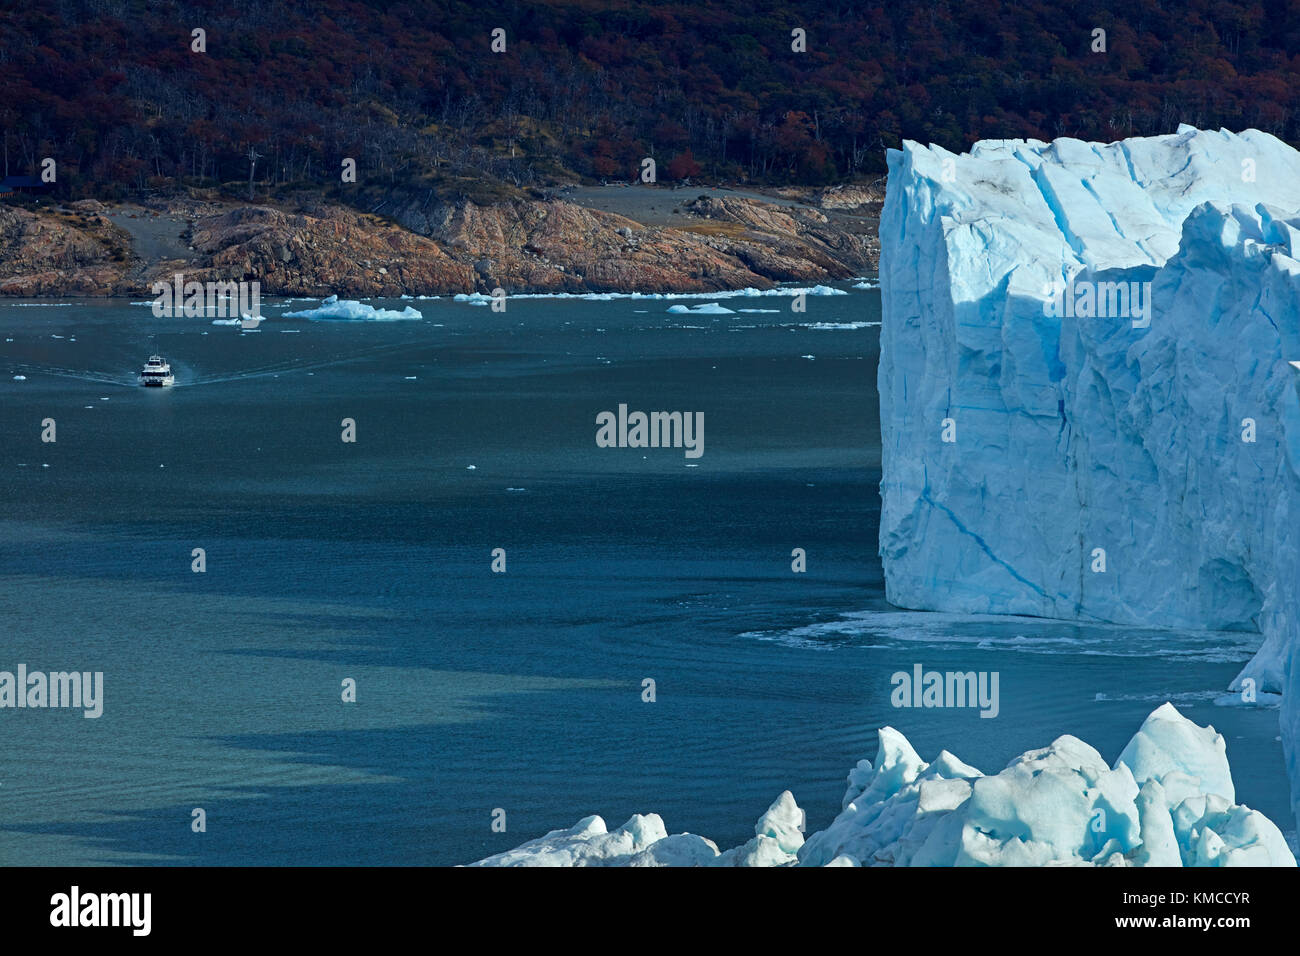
[(299, 365), (185, 377), (99, 378)]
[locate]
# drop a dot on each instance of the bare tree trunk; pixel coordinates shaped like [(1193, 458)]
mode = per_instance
[(253, 157)]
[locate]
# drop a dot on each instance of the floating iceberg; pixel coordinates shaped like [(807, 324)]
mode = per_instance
[(706, 308), (472, 298), (1087, 406), (1168, 801), (348, 310)]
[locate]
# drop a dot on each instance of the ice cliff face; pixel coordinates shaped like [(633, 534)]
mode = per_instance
[(1087, 406), (1168, 801)]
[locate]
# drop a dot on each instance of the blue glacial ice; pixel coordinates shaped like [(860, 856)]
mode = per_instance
[(1167, 801), (1055, 447)]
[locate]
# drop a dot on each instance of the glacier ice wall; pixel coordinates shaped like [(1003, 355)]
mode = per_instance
[(1072, 437)]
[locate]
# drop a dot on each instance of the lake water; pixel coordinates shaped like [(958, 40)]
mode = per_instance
[(371, 560)]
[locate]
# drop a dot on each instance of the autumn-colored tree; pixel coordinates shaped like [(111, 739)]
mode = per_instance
[(683, 166)]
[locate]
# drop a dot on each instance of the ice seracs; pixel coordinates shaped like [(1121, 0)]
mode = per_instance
[(1078, 463), (643, 841), (778, 835), (589, 843), (1167, 801)]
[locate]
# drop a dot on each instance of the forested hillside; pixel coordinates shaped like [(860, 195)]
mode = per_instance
[(413, 92)]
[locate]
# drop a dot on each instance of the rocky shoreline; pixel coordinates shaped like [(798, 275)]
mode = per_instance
[(716, 240)]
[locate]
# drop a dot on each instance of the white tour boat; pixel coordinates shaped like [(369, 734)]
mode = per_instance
[(157, 372)]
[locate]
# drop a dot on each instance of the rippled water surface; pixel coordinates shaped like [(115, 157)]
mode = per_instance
[(476, 691)]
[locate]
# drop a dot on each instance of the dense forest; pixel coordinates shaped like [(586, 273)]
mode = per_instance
[(115, 92)]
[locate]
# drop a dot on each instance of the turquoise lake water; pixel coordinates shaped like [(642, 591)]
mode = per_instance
[(371, 560)]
